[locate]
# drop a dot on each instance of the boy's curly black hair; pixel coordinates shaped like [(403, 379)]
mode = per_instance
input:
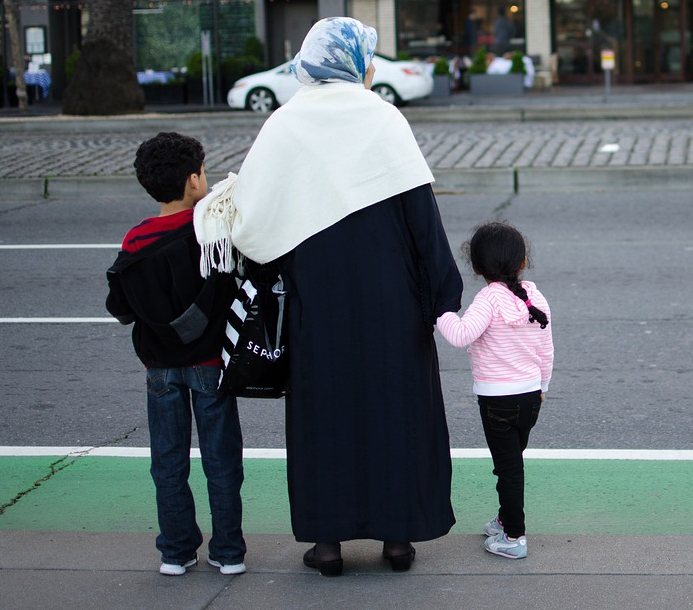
[(164, 163)]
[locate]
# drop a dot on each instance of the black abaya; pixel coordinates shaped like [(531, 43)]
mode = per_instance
[(367, 439)]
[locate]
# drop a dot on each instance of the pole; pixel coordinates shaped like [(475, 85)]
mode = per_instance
[(3, 33), (204, 47), (607, 84), (608, 64), (210, 79), (217, 51)]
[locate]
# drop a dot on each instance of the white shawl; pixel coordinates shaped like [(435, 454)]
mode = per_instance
[(332, 150)]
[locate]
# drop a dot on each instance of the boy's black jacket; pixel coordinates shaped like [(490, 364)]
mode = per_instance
[(179, 316)]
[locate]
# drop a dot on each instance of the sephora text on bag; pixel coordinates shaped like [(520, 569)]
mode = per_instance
[(255, 363)]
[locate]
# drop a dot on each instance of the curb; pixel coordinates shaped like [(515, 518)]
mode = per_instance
[(95, 188), (564, 180), (448, 181), (23, 189), (606, 111), (574, 179), (145, 122), (596, 109), (473, 181), (595, 112)]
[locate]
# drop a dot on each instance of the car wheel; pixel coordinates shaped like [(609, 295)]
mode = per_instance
[(387, 93), (261, 100)]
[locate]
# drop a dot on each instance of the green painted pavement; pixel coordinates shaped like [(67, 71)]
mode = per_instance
[(562, 496), (19, 475)]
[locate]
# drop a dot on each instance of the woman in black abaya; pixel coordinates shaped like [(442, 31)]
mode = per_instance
[(336, 190)]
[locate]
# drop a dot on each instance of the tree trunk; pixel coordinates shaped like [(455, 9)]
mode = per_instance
[(111, 19), (105, 80), (12, 12)]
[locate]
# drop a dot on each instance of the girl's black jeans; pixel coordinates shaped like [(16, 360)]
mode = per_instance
[(507, 421)]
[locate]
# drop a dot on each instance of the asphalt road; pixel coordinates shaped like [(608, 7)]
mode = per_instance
[(617, 270)]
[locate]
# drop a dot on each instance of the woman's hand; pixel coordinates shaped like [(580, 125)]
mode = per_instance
[(543, 396)]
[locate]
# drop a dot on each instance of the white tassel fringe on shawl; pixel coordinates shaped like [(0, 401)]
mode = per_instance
[(213, 219)]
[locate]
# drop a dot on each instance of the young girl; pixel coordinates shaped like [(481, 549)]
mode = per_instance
[(511, 351)]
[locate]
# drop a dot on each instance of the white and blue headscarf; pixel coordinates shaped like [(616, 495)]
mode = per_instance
[(336, 49)]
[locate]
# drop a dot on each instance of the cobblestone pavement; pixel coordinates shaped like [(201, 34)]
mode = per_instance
[(39, 155), (559, 144), (476, 145)]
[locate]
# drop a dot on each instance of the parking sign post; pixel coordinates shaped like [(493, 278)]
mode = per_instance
[(608, 64)]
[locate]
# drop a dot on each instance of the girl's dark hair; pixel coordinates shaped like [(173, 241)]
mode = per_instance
[(497, 251), (164, 163)]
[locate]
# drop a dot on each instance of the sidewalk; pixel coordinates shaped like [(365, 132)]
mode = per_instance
[(85, 539), (94, 571), (567, 139), (667, 99)]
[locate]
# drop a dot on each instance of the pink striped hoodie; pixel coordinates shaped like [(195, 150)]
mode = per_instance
[(509, 355)]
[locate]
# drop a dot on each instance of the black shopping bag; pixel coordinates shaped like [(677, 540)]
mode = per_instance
[(255, 362)]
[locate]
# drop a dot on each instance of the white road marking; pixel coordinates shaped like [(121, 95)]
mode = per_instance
[(610, 148), (280, 454), (57, 320), (59, 246)]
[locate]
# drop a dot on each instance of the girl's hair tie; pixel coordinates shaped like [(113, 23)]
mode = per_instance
[(528, 303)]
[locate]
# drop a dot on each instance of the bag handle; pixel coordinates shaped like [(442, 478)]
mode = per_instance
[(278, 289)]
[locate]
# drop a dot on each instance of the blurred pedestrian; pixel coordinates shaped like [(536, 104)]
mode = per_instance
[(503, 31), (471, 26)]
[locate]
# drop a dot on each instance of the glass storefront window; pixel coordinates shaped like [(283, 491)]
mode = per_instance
[(583, 29), (35, 40), (501, 26), (459, 27), (657, 41), (420, 28), (651, 38), (167, 34)]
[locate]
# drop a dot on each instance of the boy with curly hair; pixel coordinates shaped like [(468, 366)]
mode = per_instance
[(179, 320)]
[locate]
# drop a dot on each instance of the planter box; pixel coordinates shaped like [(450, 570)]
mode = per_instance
[(496, 84), (441, 85), (165, 94), (193, 87)]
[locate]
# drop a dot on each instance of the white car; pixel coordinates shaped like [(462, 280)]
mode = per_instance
[(394, 81)]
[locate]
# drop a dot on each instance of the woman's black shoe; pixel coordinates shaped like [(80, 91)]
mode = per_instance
[(400, 562), (331, 567)]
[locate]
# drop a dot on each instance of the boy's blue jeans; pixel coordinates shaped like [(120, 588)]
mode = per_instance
[(169, 395)]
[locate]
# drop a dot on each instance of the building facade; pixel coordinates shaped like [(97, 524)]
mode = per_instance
[(49, 34), (651, 39)]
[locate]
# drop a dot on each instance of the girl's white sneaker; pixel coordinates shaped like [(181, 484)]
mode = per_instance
[(501, 545), (493, 527)]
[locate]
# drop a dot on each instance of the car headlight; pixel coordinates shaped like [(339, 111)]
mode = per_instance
[(238, 85)]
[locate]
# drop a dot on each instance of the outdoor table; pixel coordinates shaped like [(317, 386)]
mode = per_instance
[(41, 79)]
